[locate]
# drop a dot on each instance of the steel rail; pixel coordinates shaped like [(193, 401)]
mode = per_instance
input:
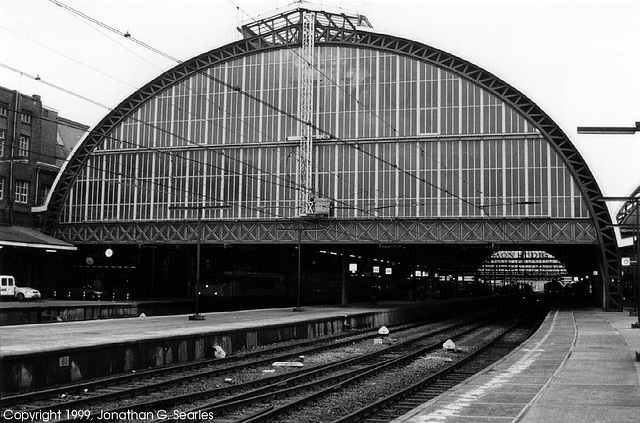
[(85, 388), (445, 379), (366, 366), (110, 390)]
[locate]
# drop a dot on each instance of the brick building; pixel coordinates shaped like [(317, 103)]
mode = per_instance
[(34, 144)]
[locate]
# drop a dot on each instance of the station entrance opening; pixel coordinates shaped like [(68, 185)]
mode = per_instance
[(235, 275)]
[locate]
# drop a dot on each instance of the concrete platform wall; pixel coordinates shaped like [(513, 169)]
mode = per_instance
[(52, 311), (70, 313)]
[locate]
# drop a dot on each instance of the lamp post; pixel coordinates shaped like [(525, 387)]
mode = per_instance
[(635, 250), (200, 208), (636, 234), (628, 130), (299, 230)]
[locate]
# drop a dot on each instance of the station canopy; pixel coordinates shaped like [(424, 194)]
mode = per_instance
[(17, 236)]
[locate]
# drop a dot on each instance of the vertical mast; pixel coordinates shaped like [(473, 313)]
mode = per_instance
[(305, 205)]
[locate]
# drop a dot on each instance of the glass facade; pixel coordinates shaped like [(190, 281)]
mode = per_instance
[(396, 138)]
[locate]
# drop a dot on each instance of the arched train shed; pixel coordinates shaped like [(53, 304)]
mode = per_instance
[(414, 150)]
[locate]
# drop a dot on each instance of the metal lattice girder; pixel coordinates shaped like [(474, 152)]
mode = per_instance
[(305, 207), (274, 26), (628, 214), (458, 231), (328, 32)]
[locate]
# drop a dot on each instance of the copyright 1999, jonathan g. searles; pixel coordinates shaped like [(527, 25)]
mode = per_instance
[(106, 416)]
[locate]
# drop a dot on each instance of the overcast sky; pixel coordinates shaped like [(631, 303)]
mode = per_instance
[(579, 60)]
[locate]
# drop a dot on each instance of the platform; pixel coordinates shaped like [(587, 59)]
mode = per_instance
[(580, 366), (13, 312), (35, 356)]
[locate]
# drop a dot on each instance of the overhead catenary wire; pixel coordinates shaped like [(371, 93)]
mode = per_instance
[(352, 145), (171, 189), (127, 35), (66, 56), (482, 208), (177, 155), (357, 100), (255, 98), (288, 183)]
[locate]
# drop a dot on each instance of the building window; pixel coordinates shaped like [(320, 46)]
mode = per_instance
[(22, 192), (25, 118), (1, 187), (23, 146), (3, 111), (3, 138), (44, 192)]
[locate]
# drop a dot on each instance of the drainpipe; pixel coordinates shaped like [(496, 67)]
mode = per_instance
[(36, 192), (12, 146)]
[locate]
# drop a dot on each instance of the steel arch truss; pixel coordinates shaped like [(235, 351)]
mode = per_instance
[(285, 31), (437, 231), (628, 215)]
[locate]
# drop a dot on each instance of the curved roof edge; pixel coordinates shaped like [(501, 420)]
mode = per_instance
[(628, 217), (289, 35)]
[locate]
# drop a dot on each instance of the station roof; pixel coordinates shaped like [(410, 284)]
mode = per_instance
[(337, 30), (17, 236)]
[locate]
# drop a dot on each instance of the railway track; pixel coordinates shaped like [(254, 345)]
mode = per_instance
[(250, 405), (337, 394), (169, 394), (120, 386), (398, 403)]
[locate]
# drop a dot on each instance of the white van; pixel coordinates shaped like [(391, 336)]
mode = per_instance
[(8, 289)]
